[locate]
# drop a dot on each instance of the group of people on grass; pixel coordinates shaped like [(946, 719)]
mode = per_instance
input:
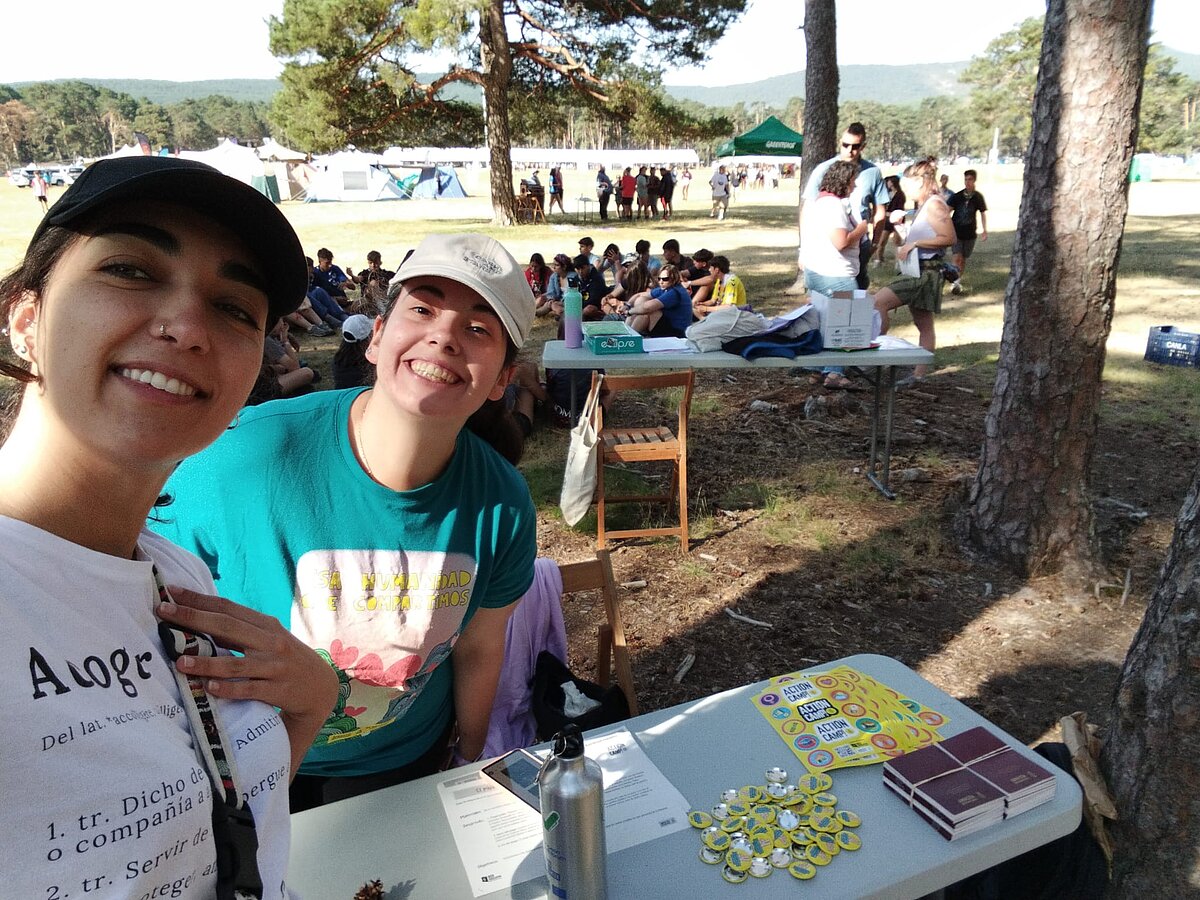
[(658, 296), (651, 190)]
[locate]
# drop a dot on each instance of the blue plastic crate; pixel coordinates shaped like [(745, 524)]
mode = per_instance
[(1171, 347)]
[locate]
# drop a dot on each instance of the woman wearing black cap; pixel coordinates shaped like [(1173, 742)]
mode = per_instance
[(136, 320)]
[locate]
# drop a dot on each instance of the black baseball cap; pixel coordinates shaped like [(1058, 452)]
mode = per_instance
[(234, 205)]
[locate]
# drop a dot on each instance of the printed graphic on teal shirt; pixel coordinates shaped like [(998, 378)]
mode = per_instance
[(354, 605)]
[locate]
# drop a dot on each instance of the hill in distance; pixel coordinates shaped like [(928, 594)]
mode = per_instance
[(886, 84)]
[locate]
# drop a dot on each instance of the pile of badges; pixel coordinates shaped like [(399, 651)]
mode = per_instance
[(756, 829), (845, 717)]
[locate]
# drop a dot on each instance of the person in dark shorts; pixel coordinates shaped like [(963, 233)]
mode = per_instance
[(963, 207), (662, 311)]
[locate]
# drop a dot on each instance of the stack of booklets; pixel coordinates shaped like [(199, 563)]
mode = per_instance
[(967, 782)]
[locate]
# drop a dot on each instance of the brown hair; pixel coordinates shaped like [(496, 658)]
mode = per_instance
[(926, 170), (30, 277), (669, 271), (839, 178), (637, 278)]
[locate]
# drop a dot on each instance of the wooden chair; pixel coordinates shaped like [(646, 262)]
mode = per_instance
[(528, 205), (597, 575), (636, 445)]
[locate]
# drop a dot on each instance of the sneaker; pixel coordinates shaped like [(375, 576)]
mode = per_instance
[(320, 331), (956, 287), (876, 263)]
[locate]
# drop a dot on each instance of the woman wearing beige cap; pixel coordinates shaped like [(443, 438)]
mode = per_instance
[(382, 526)]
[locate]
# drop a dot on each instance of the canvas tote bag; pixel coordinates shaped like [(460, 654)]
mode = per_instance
[(579, 479)]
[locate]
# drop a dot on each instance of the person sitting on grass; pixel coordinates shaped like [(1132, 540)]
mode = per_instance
[(728, 289), (636, 278), (295, 376), (306, 320), (375, 273), (351, 368), (591, 285), (523, 394), (663, 311), (561, 268), (537, 274), (612, 261), (652, 263), (331, 278), (698, 278)]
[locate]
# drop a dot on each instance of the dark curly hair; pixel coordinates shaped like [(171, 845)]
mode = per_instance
[(839, 178)]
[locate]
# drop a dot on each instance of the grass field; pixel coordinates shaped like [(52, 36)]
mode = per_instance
[(781, 501), (1159, 280)]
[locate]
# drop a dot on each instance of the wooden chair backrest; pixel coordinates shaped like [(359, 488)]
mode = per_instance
[(597, 575), (685, 379)]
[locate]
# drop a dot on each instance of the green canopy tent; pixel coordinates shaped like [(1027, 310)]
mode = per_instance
[(771, 138)]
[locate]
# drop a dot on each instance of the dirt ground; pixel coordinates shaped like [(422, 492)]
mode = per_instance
[(882, 577)]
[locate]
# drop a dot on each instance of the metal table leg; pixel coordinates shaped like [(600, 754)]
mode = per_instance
[(879, 471)]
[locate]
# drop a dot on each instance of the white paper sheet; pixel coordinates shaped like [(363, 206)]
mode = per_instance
[(499, 837), (668, 344), (889, 342)]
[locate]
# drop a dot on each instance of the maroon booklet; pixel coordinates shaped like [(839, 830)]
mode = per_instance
[(950, 833), (968, 782), (959, 794), (920, 766), (972, 745), (1013, 774)]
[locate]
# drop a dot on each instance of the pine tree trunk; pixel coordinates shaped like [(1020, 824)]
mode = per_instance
[(1029, 504), (1149, 756), (820, 99), (497, 68)]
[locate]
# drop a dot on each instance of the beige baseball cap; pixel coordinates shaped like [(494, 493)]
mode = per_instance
[(482, 264)]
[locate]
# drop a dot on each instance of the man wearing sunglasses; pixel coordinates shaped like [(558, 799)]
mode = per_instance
[(868, 200)]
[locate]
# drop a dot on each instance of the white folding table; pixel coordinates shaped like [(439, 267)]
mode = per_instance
[(878, 366), (400, 835)]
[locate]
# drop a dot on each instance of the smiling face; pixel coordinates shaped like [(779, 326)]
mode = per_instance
[(113, 380), (440, 352)]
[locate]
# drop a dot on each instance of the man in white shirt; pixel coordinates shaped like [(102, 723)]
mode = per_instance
[(720, 193)]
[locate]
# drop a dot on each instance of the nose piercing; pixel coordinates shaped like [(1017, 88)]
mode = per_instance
[(162, 330)]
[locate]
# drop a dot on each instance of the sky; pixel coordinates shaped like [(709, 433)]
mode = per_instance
[(180, 41)]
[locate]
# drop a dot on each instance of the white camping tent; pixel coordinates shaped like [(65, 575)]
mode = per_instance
[(351, 175), (127, 150), (273, 150), (231, 158)]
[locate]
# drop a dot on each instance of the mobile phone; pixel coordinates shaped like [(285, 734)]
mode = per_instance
[(517, 772)]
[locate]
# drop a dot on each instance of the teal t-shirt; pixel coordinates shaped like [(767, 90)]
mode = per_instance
[(379, 582)]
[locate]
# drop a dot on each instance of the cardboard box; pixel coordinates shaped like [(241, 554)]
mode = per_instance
[(847, 319), (605, 338)]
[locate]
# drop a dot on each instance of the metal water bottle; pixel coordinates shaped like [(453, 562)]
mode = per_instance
[(573, 317), (571, 792)]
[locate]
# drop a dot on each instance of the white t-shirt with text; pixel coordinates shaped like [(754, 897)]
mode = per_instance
[(104, 795)]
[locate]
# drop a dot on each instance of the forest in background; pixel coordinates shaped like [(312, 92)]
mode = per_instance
[(945, 110)]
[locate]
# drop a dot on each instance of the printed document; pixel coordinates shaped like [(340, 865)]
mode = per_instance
[(499, 837)]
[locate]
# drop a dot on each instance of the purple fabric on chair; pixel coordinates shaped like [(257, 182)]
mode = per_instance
[(535, 625)]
